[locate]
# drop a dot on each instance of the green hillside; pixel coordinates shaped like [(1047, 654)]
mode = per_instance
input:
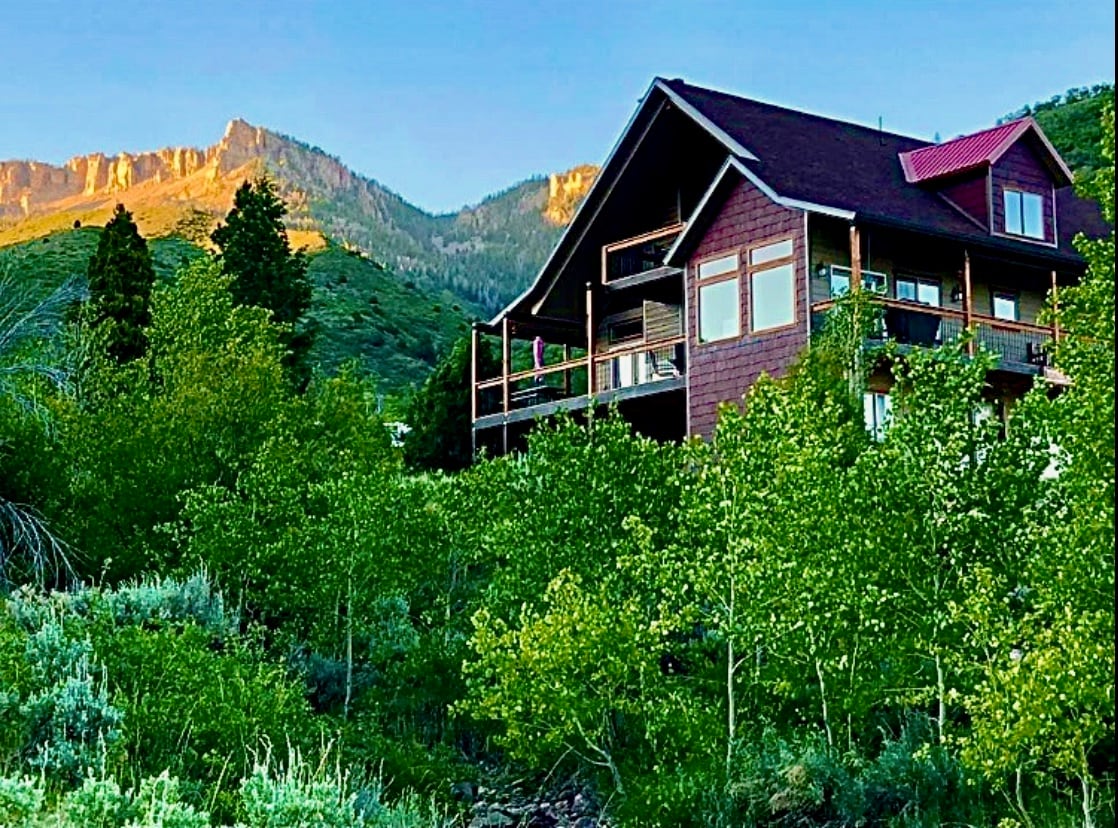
[(395, 329), (392, 327)]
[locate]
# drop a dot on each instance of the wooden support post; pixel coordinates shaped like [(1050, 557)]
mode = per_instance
[(591, 385), (567, 372), (1055, 309), (968, 302), (474, 334), (506, 363), (855, 258)]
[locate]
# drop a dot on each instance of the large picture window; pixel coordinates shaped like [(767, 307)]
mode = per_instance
[(772, 286), (1024, 214), (719, 298)]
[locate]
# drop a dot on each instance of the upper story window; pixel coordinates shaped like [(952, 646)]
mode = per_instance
[(772, 286), (1004, 305), (719, 298), (840, 280), (1024, 214), (924, 291)]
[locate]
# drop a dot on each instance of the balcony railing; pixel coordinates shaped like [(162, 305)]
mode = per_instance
[(1021, 345), (639, 254), (641, 364)]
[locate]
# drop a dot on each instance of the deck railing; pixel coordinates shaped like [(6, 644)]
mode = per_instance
[(638, 254), (1019, 343), (638, 364)]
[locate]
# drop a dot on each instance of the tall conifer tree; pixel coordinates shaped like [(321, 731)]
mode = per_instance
[(121, 277), (266, 273)]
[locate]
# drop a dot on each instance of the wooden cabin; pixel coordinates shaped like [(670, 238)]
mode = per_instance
[(721, 229)]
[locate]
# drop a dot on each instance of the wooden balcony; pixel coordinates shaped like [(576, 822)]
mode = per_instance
[(639, 259), (620, 373), (1022, 346)]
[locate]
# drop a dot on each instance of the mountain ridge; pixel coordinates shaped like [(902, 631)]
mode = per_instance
[(484, 253)]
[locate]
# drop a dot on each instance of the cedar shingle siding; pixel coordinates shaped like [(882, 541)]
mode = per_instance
[(1021, 169), (721, 371)]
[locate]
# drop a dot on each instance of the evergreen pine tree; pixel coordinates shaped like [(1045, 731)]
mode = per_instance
[(255, 252), (121, 277)]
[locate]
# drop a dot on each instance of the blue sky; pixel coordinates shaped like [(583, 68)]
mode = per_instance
[(447, 102)]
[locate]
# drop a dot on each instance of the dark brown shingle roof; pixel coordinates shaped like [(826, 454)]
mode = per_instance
[(841, 165)]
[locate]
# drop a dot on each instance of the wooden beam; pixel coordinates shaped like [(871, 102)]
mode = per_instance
[(1055, 309), (968, 302), (474, 337), (506, 363), (855, 258), (590, 389), (567, 373)]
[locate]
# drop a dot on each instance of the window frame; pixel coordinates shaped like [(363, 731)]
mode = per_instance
[(701, 282), (1013, 295), (771, 264), (878, 428), (898, 278), (1022, 232)]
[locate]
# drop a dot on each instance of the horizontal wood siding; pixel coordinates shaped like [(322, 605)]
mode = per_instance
[(969, 194), (662, 321), (1021, 169), (723, 371)]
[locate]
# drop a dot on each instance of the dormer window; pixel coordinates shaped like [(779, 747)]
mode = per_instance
[(1024, 214)]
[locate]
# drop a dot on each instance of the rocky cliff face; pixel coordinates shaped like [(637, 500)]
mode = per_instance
[(30, 187), (565, 192), (484, 253)]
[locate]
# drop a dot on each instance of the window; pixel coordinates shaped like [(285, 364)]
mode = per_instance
[(1024, 214), (840, 280), (624, 330), (1005, 305), (719, 266), (719, 299), (924, 291), (772, 286), (877, 408)]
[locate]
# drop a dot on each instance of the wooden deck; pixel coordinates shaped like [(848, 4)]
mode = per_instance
[(602, 398)]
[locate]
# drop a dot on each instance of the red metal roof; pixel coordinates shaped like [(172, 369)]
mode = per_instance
[(963, 153)]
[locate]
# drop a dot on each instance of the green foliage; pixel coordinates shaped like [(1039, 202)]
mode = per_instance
[(30, 369), (20, 801), (69, 719), (264, 272), (121, 277), (439, 414), (366, 315)]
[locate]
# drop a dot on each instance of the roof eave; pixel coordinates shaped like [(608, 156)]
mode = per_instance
[(591, 195)]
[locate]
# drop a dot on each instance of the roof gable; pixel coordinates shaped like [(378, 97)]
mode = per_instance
[(979, 149)]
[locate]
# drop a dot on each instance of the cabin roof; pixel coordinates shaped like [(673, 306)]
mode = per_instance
[(824, 165)]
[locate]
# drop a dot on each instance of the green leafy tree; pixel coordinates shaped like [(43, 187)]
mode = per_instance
[(128, 444), (439, 413), (1043, 709), (266, 273), (121, 277)]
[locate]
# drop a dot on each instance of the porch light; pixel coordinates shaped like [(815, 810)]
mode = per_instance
[(957, 293), (821, 270)]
